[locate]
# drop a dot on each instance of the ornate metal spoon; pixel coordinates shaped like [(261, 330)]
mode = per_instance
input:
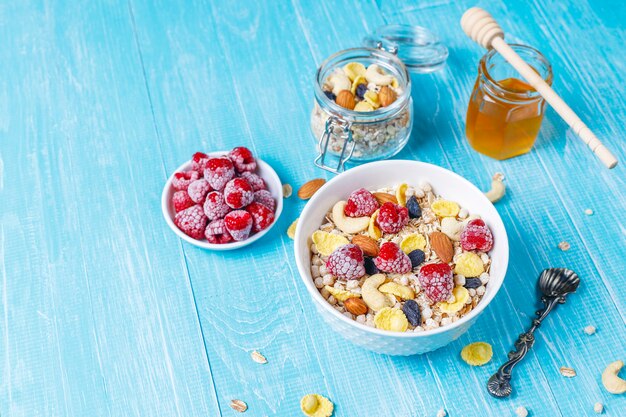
[(554, 284)]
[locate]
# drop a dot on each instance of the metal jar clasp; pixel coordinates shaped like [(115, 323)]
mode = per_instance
[(332, 124)]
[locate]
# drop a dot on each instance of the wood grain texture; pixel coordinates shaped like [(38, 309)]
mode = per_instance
[(104, 312)]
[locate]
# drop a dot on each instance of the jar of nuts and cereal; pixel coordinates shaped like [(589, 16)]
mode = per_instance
[(363, 110)]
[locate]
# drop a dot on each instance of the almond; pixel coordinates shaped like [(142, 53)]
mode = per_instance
[(367, 245), (385, 198), (355, 306), (386, 96), (308, 189), (345, 98), (442, 245)]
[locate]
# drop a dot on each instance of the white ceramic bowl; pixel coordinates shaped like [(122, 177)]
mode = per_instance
[(384, 174), (264, 170)]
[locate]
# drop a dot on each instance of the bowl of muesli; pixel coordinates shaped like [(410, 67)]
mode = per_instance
[(401, 257)]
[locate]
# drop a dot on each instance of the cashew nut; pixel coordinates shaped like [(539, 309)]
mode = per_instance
[(375, 74), (375, 299), (339, 81), (347, 224), (498, 188), (452, 228), (611, 381)]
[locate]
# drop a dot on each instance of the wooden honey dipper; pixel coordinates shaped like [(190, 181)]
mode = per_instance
[(483, 29)]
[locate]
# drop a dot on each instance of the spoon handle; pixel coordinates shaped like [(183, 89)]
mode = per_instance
[(499, 385)]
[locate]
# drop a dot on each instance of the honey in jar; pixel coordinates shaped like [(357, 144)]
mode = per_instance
[(505, 113)]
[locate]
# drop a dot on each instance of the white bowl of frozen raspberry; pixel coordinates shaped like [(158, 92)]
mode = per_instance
[(401, 257), (222, 200)]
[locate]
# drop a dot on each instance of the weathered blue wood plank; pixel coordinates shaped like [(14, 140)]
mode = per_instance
[(97, 313)]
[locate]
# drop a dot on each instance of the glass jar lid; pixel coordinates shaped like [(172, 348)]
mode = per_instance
[(417, 47)]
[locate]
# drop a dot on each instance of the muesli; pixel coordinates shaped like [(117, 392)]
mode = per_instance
[(401, 258)]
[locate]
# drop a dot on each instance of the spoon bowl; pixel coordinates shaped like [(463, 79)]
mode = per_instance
[(558, 282)]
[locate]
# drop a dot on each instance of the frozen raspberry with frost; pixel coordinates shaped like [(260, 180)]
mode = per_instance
[(216, 232), (218, 171), (261, 215), (238, 223), (238, 193), (392, 218), (214, 206), (361, 203), (391, 259), (265, 197), (198, 190), (181, 201), (254, 180), (198, 162), (182, 180), (476, 236), (346, 262), (242, 159), (192, 221), (436, 281)]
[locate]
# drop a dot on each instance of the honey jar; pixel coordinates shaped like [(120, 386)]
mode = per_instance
[(505, 113)]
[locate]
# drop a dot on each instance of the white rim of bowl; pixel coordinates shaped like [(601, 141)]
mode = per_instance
[(317, 297), (165, 205)]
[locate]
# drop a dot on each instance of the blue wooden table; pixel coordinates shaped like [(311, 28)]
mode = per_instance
[(105, 312)]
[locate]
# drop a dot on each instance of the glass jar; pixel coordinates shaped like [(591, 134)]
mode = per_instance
[(505, 113), (362, 136)]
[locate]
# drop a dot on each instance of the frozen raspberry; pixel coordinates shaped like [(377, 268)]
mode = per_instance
[(436, 281), (218, 171), (361, 203), (216, 232), (198, 162), (265, 197), (392, 218), (214, 206), (261, 215), (192, 221), (476, 236), (181, 201), (198, 190), (346, 262), (238, 193), (242, 159), (238, 223), (254, 180), (391, 259), (182, 180)]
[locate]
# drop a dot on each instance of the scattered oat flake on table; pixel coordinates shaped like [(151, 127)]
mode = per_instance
[(442, 413), (590, 330), (238, 405), (564, 246), (287, 190), (567, 372), (598, 408), (258, 357), (589, 212), (521, 411)]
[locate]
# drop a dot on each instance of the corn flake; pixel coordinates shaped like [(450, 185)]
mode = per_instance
[(357, 81), (401, 194), (477, 354), (460, 298), (412, 242), (372, 229), (291, 231), (354, 70), (391, 319), (363, 106), (445, 208), (372, 98), (402, 291), (469, 265), (341, 295), (315, 405), (326, 242)]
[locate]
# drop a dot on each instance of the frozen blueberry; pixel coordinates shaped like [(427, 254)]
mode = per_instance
[(370, 267), (330, 95), (417, 257), (412, 312), (361, 89), (414, 208), (472, 282)]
